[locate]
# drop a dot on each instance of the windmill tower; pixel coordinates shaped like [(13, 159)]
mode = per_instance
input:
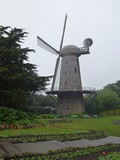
[(67, 83)]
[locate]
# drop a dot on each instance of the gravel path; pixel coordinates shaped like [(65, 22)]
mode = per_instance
[(44, 147)]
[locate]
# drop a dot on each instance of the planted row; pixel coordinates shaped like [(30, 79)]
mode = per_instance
[(60, 137), (111, 156), (66, 153)]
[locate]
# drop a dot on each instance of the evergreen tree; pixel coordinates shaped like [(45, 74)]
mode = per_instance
[(18, 78)]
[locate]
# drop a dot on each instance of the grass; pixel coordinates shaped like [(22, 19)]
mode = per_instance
[(76, 125), (104, 123)]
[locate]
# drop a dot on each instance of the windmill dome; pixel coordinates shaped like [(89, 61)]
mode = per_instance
[(70, 49)]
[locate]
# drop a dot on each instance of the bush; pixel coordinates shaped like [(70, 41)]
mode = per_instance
[(111, 156), (74, 116), (114, 112), (47, 116), (10, 115), (59, 116), (85, 116), (95, 116), (103, 100)]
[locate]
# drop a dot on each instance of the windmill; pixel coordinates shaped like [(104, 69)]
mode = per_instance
[(67, 83)]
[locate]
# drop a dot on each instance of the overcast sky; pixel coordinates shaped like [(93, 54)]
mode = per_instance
[(97, 19)]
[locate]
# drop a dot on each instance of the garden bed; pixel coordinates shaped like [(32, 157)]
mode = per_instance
[(116, 122), (76, 153), (91, 134)]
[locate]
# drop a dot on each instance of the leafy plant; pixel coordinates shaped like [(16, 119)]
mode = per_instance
[(111, 156)]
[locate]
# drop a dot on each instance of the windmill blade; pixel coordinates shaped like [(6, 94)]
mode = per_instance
[(63, 32), (58, 62), (56, 72), (46, 46)]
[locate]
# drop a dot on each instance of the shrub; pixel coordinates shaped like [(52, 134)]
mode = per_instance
[(111, 112), (74, 116), (95, 116), (85, 116), (10, 115), (47, 116), (111, 156)]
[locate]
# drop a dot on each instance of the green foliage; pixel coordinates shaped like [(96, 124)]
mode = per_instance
[(47, 116), (18, 78), (38, 126), (115, 87), (10, 115), (103, 100), (110, 156), (74, 116), (59, 137), (42, 104), (114, 112)]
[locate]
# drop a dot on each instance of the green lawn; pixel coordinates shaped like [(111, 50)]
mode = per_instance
[(104, 123), (74, 126)]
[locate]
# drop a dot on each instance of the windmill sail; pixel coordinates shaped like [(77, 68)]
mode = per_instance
[(55, 84), (46, 46), (63, 31), (56, 78)]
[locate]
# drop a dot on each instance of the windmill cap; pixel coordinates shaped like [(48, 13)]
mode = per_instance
[(70, 49)]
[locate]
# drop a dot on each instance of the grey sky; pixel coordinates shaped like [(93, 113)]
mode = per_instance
[(97, 19)]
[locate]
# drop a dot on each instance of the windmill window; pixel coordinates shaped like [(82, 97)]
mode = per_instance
[(66, 62), (65, 72), (12, 61), (65, 82), (75, 70), (67, 108)]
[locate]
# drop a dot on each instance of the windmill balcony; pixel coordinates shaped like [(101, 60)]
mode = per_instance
[(85, 90), (89, 88)]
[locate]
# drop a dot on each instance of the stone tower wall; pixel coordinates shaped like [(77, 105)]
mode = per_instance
[(71, 103), (70, 79)]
